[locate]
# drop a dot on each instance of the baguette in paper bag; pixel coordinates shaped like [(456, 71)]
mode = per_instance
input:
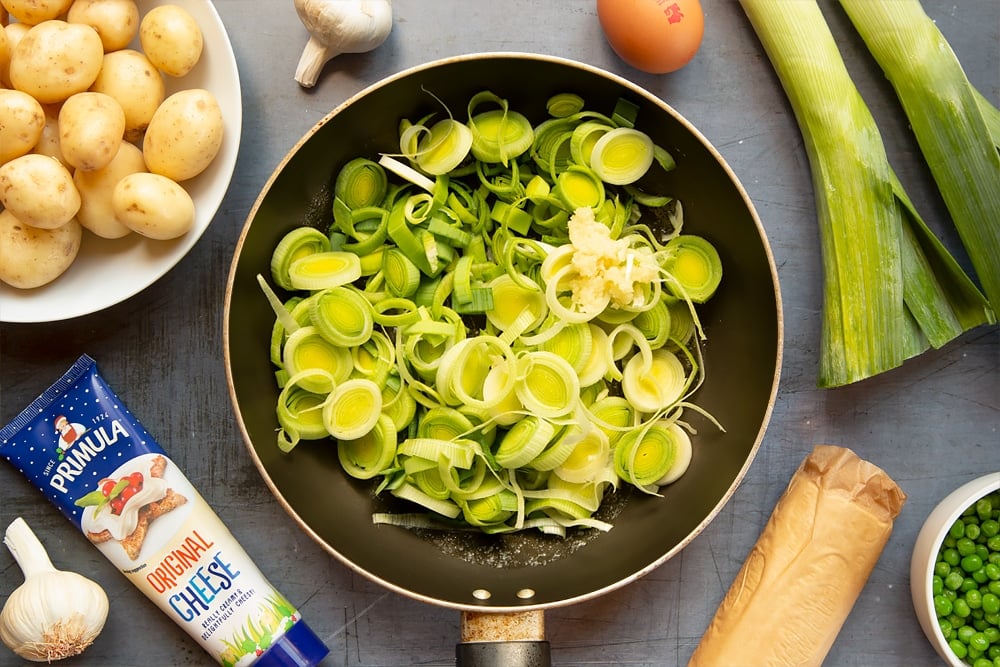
[(802, 577)]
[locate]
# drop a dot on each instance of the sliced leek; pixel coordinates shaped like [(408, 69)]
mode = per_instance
[(480, 349)]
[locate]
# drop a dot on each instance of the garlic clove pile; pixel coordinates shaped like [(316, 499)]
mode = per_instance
[(339, 26), (54, 614)]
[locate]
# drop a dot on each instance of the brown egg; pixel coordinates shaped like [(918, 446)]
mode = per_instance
[(655, 36)]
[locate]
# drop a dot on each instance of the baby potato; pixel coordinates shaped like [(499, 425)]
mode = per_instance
[(39, 190), (184, 135), (34, 12), (153, 205), (22, 120), (5, 49), (56, 59), (15, 31), (31, 257), (91, 127), (116, 21), (48, 143), (129, 77), (96, 187), (171, 38)]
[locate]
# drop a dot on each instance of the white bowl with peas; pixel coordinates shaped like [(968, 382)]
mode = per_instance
[(955, 574)]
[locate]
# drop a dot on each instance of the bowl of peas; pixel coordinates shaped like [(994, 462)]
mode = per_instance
[(955, 575)]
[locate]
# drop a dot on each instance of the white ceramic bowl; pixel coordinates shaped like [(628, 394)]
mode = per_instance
[(106, 271), (925, 552)]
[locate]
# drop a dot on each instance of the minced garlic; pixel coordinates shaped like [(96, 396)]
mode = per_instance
[(607, 270)]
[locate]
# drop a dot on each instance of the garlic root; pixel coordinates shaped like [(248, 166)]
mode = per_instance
[(54, 614), (339, 26)]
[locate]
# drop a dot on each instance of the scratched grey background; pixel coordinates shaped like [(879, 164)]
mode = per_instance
[(931, 424)]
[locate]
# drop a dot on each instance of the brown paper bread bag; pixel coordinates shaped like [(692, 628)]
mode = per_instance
[(802, 577)]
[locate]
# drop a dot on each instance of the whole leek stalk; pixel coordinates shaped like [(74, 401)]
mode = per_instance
[(947, 119), (891, 289)]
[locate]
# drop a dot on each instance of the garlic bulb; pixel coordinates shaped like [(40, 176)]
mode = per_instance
[(54, 614), (339, 26)]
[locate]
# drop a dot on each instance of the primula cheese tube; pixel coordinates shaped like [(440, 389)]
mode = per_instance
[(95, 461), (802, 577)]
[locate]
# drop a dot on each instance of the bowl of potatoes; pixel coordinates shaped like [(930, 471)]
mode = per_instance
[(110, 169)]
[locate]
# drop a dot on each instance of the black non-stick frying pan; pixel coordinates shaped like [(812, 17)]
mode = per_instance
[(523, 572)]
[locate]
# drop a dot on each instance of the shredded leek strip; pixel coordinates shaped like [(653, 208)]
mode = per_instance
[(320, 270), (613, 415), (369, 454), (410, 492), (406, 172), (360, 183), (366, 229), (288, 323)]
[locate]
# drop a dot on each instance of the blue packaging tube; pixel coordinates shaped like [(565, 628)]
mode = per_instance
[(82, 447)]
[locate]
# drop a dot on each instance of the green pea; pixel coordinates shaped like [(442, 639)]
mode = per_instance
[(941, 569), (958, 648), (965, 633), (968, 584), (972, 531), (946, 628), (942, 605), (993, 652), (961, 607), (982, 662), (971, 563), (954, 581), (983, 552), (957, 529), (991, 604), (951, 556), (990, 527), (994, 587), (984, 508), (979, 642), (992, 634), (980, 575), (992, 571), (993, 543), (974, 598), (965, 546)]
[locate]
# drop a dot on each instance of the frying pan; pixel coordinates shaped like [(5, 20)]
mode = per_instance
[(512, 577)]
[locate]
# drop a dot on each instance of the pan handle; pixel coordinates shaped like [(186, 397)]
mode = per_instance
[(503, 640)]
